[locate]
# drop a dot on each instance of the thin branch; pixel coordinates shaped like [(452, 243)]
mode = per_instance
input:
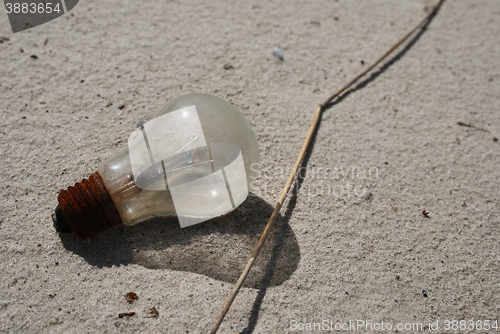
[(297, 164), (270, 223), (392, 206)]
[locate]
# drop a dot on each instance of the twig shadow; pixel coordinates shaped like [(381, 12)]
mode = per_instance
[(386, 66), (254, 314), (283, 230)]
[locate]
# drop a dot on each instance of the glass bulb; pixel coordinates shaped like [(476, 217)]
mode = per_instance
[(196, 160)]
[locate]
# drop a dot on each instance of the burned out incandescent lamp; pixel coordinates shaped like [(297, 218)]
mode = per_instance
[(196, 160)]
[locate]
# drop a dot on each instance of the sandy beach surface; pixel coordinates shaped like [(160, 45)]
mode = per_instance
[(352, 245)]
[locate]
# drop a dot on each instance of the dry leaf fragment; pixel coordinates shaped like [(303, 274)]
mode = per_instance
[(130, 297), (153, 312), (126, 314)]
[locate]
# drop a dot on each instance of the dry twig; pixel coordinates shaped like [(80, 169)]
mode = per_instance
[(392, 206), (298, 162)]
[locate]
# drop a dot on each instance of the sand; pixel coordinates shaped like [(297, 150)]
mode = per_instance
[(351, 245)]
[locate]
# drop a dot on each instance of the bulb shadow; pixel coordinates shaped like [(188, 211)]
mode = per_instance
[(218, 248)]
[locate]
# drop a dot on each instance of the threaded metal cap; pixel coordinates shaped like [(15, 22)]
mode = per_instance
[(86, 209)]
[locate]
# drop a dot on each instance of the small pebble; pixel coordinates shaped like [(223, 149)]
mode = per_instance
[(228, 67), (34, 57), (140, 123), (278, 54), (464, 204), (424, 293)]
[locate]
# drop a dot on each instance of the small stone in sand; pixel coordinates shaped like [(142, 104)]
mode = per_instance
[(278, 54), (140, 123)]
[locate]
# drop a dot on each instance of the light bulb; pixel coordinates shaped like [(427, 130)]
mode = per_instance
[(196, 160)]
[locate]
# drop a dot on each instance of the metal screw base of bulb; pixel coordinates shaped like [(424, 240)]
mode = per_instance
[(86, 209)]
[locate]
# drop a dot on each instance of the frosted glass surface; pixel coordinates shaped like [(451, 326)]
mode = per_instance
[(201, 199), (196, 160), (139, 155), (153, 149), (170, 133), (228, 158), (237, 179)]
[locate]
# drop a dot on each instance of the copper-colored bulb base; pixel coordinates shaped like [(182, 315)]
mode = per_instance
[(87, 209)]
